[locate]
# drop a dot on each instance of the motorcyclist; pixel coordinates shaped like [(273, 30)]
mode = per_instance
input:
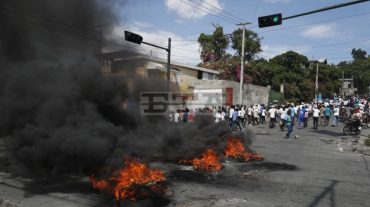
[(356, 117)]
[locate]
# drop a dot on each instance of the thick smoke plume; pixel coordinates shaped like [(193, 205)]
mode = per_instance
[(51, 89), (59, 114)]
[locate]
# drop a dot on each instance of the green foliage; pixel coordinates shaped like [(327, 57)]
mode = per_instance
[(358, 54), (291, 60), (213, 47), (252, 43), (290, 69)]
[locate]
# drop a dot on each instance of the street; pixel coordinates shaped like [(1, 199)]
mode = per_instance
[(312, 170)]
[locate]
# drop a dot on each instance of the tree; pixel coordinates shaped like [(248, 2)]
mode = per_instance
[(291, 60), (252, 44), (358, 54), (213, 47)]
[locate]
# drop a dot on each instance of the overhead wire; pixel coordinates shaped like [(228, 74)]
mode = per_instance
[(223, 11), (49, 27), (118, 44), (218, 16)]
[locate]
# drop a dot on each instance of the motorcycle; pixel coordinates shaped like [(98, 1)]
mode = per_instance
[(352, 125)]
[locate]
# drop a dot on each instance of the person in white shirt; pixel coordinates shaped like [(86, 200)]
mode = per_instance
[(336, 115), (223, 114), (315, 115), (272, 112), (255, 115), (177, 116), (250, 115), (231, 112), (241, 114), (283, 114), (218, 116)]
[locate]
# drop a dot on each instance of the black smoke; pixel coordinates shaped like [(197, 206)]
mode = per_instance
[(53, 98), (60, 114)]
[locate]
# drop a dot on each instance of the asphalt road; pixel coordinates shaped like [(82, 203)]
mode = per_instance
[(312, 170)]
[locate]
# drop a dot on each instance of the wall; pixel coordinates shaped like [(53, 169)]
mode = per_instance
[(252, 94)]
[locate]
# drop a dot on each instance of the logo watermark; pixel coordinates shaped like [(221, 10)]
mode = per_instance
[(160, 103)]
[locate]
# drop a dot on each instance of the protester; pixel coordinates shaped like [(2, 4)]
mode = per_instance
[(288, 123), (335, 115), (327, 112), (283, 114), (315, 114), (301, 117), (263, 115), (255, 115), (272, 112), (241, 114), (231, 113)]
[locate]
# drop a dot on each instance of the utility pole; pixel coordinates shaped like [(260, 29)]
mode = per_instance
[(169, 65), (242, 64), (317, 80), (342, 84)]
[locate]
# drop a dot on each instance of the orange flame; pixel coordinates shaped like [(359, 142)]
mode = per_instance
[(207, 162), (123, 184), (235, 149)]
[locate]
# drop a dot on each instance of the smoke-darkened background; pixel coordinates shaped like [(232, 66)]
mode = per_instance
[(58, 113)]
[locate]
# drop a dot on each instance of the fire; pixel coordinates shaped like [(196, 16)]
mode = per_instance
[(129, 181), (207, 162), (235, 149)]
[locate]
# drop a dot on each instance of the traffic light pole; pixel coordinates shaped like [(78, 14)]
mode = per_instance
[(168, 60), (325, 9)]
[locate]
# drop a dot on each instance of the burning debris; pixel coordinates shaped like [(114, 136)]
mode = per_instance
[(208, 162), (134, 181), (235, 149), (59, 114)]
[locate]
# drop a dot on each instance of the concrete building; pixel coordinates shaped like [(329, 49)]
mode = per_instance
[(196, 83)]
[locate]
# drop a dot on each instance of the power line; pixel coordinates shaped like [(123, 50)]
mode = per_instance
[(64, 31), (208, 9), (208, 12), (255, 11), (223, 11)]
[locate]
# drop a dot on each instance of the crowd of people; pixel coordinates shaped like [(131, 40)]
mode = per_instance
[(285, 115)]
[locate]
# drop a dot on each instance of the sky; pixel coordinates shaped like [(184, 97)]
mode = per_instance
[(327, 35)]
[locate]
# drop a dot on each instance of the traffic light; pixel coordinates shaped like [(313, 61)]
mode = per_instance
[(132, 37), (271, 20)]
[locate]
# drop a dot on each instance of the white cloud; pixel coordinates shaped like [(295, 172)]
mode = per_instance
[(142, 25), (321, 31), (182, 51), (270, 51), (277, 1), (186, 11)]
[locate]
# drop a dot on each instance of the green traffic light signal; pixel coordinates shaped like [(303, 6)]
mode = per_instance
[(271, 20)]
